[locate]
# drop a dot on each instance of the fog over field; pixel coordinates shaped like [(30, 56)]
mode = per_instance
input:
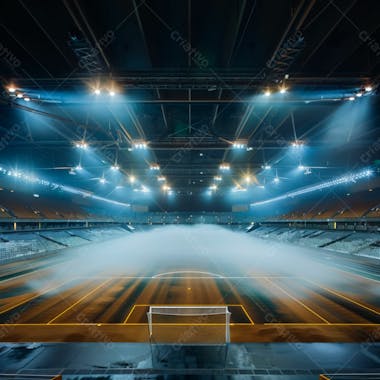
[(190, 250)]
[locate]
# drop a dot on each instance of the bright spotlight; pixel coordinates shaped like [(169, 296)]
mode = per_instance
[(297, 144), (267, 93), (78, 167), (267, 167), (165, 188), (224, 167), (81, 145), (283, 90), (359, 94), (20, 95), (102, 180), (351, 98), (161, 178), (247, 178), (276, 180), (239, 145), (112, 93), (368, 88), (132, 179), (301, 167), (141, 145), (97, 91), (11, 89), (27, 99), (218, 178), (115, 167), (213, 187), (154, 167)]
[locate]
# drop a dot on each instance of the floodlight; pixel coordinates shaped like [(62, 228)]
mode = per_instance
[(224, 167)]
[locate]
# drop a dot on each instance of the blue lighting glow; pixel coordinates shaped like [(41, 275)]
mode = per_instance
[(349, 178), (30, 178)]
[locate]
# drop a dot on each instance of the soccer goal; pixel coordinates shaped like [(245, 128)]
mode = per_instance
[(189, 324), (187, 336)]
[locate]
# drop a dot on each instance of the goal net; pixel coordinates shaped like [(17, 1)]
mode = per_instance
[(186, 325)]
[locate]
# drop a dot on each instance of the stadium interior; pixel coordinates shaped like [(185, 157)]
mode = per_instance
[(190, 189)]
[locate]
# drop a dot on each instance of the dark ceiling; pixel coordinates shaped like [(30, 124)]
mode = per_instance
[(189, 78)]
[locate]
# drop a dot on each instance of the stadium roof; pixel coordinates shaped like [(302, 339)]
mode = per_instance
[(135, 99)]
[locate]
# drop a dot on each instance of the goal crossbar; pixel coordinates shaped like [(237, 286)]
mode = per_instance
[(190, 311)]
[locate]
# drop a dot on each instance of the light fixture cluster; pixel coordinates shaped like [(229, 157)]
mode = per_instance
[(154, 167), (224, 167), (81, 145), (297, 144), (239, 145), (98, 91), (282, 90), (140, 145), (13, 91)]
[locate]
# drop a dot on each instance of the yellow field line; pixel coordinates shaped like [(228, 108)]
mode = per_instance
[(298, 301), (80, 300), (344, 297), (32, 298), (246, 313), (129, 314), (320, 324), (189, 324)]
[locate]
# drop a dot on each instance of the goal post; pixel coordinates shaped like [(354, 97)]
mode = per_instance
[(189, 324)]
